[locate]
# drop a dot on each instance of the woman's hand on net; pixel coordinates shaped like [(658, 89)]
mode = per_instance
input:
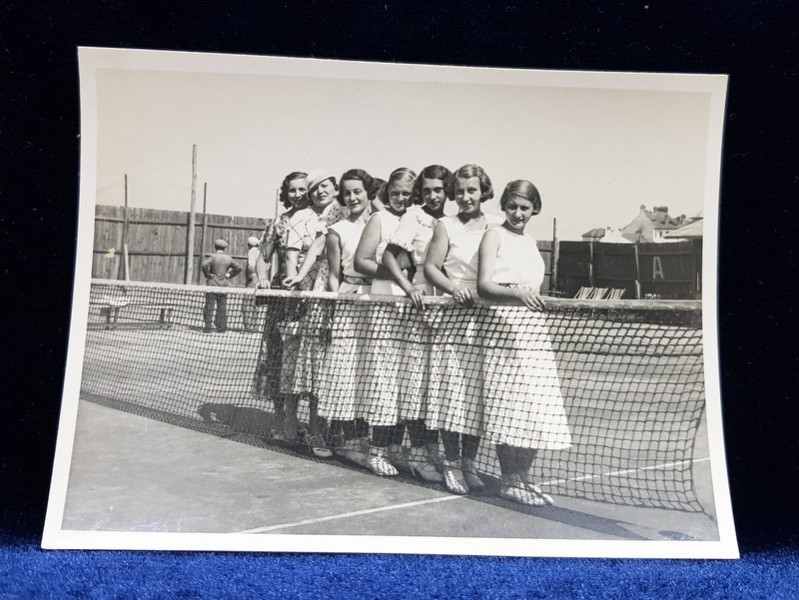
[(531, 300), (463, 295), (417, 298), (290, 282), (264, 284)]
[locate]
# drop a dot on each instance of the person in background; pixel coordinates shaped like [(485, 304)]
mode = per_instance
[(248, 310), (219, 268)]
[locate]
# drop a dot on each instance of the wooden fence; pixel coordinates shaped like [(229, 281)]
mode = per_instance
[(666, 270), (157, 242), (157, 250)]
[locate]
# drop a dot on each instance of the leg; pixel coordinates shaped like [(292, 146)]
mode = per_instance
[(208, 311), (347, 443), (524, 460), (221, 313), (316, 441), (381, 438), (421, 456), (514, 462), (470, 445), (453, 475)]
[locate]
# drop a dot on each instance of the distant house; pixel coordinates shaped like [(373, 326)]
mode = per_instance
[(692, 229), (652, 226)]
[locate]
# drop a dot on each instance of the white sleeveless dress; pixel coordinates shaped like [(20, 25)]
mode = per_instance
[(521, 387), (456, 358), (343, 373)]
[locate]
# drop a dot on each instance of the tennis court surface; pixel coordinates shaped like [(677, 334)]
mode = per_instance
[(133, 473)]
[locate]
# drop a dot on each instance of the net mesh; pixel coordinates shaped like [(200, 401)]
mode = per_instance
[(607, 396)]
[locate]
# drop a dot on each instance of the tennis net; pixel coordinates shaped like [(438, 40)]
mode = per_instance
[(610, 393)]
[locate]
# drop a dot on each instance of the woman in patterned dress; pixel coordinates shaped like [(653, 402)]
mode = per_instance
[(523, 402), (304, 340), (293, 196)]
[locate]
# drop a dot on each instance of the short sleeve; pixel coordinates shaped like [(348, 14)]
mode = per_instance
[(407, 231)]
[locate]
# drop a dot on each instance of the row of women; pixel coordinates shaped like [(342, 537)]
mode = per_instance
[(361, 235)]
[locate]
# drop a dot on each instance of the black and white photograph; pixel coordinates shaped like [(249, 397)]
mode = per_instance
[(330, 306)]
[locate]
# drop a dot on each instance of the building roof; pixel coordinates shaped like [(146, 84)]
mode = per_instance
[(694, 229)]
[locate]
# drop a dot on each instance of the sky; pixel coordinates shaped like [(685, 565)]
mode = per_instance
[(595, 153)]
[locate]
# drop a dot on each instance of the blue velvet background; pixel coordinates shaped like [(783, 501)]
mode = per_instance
[(755, 42)]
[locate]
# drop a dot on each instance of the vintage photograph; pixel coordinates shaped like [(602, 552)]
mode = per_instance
[(328, 306)]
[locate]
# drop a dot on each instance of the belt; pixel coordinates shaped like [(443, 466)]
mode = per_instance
[(352, 280)]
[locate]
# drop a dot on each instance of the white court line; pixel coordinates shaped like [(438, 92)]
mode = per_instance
[(355, 513), (371, 511), (627, 471)]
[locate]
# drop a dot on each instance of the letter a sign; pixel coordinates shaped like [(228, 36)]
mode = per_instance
[(657, 269)]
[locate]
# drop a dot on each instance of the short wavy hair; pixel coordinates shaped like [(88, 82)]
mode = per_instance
[(467, 172), (284, 187), (429, 172), (354, 175), (377, 184), (523, 189), (401, 174)]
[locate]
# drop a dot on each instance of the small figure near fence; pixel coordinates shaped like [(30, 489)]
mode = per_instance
[(248, 310), (218, 269)]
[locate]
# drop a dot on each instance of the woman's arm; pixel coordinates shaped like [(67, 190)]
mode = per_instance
[(391, 263), (486, 267), (262, 269), (365, 262), (314, 252), (292, 258), (434, 267), (333, 246)]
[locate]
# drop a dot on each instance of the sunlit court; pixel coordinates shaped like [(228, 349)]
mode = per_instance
[(172, 435)]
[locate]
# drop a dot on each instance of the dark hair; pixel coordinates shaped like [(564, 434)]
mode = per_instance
[(354, 175), (467, 172), (377, 184), (430, 172), (284, 187), (523, 189), (401, 174)]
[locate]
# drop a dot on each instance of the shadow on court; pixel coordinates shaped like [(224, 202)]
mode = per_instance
[(130, 473)]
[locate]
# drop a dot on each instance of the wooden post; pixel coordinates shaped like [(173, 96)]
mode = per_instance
[(591, 263), (637, 274), (189, 277), (553, 283), (275, 261), (127, 261), (123, 272), (204, 229)]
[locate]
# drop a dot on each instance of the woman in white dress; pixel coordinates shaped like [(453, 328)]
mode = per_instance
[(386, 323), (523, 403), (456, 402), (404, 258), (340, 379)]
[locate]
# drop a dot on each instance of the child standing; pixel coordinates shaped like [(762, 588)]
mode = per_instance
[(523, 403), (456, 403)]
